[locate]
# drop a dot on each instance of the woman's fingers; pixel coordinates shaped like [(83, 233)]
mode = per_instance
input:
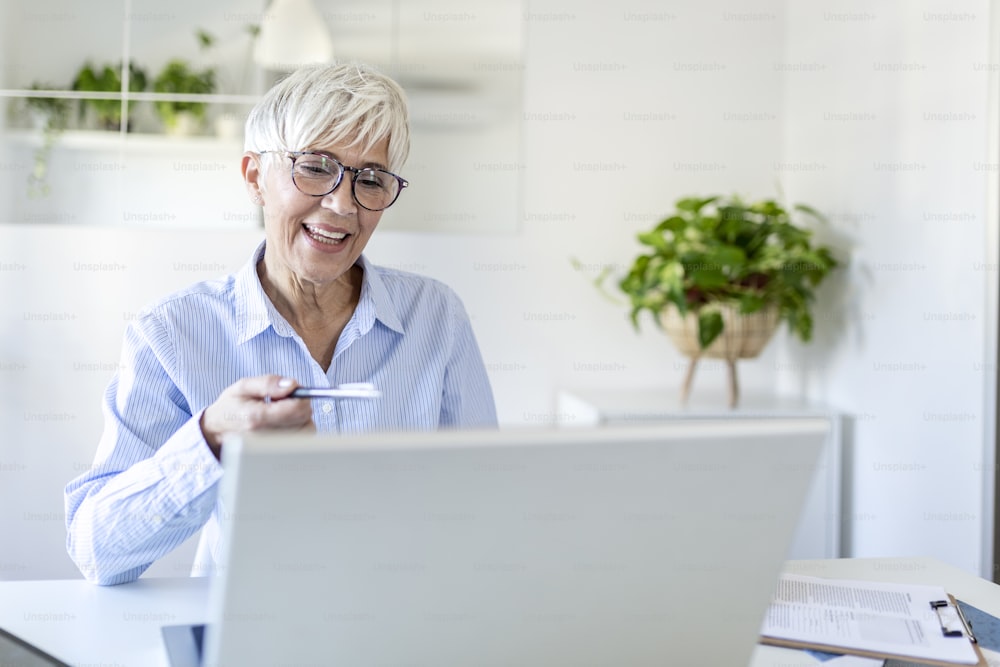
[(252, 404)]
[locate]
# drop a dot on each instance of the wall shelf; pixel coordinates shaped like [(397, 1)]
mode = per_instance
[(140, 142), (463, 78), (215, 98)]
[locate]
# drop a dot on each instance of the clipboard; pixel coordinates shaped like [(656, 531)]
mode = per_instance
[(946, 611)]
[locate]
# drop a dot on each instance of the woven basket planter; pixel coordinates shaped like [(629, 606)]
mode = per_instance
[(742, 337)]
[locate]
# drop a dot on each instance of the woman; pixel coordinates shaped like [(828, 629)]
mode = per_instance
[(308, 309)]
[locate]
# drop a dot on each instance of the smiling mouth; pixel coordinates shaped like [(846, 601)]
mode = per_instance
[(324, 236)]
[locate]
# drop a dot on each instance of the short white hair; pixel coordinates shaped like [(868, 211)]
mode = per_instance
[(316, 106)]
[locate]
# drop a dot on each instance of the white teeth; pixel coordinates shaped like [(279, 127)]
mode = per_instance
[(334, 236)]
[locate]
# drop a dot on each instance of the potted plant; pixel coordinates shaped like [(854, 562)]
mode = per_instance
[(51, 116), (179, 77), (719, 274), (107, 79)]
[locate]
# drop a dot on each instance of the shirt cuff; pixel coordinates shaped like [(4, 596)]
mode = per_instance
[(186, 454)]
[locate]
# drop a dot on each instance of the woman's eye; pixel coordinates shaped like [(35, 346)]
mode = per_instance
[(314, 169), (369, 180)]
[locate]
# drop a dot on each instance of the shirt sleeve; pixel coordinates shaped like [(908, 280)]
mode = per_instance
[(154, 481), (468, 399)]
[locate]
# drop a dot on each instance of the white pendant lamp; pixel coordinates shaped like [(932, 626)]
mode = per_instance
[(292, 33)]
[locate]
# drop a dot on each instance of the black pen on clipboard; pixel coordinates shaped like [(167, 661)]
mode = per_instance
[(349, 390)]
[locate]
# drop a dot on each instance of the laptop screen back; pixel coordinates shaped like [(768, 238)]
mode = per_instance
[(617, 546)]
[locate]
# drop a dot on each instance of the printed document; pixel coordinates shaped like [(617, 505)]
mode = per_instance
[(883, 618)]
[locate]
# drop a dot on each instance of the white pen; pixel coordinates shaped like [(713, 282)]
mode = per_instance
[(350, 390)]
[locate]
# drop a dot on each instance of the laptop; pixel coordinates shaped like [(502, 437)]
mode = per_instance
[(644, 545)]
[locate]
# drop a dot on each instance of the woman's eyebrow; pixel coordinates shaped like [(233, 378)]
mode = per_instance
[(371, 164), (364, 165)]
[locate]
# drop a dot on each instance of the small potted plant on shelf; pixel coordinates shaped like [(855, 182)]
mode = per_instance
[(719, 274), (179, 77), (179, 117), (107, 79), (51, 116)]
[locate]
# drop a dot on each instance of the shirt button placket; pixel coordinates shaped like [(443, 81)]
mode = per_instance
[(329, 417)]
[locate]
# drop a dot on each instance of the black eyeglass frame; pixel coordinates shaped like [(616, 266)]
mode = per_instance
[(294, 155)]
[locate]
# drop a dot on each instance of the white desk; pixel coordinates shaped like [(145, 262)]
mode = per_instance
[(88, 625), (84, 624)]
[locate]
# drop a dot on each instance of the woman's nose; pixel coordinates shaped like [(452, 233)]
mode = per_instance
[(341, 200)]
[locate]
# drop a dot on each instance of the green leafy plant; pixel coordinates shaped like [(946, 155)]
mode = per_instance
[(180, 77), (107, 79), (54, 114), (54, 110), (723, 250)]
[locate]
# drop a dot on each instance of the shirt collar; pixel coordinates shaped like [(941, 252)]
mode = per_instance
[(253, 308), (255, 312), (375, 302)]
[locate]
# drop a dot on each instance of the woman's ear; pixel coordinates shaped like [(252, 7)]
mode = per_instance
[(253, 176)]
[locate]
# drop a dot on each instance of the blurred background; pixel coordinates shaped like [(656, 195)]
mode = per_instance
[(545, 131)]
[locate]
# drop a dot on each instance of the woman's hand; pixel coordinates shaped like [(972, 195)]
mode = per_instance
[(244, 406)]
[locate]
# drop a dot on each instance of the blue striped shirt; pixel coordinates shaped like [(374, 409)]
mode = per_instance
[(154, 481)]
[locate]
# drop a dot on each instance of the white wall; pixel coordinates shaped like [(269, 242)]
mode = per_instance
[(889, 117), (627, 107)]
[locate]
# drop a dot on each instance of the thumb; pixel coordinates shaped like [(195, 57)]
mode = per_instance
[(261, 386)]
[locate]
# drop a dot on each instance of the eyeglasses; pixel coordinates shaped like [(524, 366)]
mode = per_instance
[(317, 175)]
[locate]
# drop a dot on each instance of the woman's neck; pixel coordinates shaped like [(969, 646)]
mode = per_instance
[(311, 307)]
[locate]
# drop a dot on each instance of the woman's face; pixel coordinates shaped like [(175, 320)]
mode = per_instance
[(318, 239)]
